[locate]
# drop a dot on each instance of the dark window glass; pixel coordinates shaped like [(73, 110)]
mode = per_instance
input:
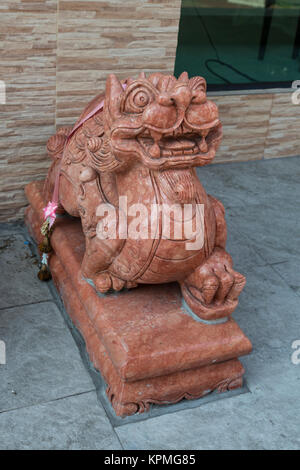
[(238, 44)]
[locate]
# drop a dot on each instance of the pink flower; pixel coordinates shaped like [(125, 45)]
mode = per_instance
[(50, 212)]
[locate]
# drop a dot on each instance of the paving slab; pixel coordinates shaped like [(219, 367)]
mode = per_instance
[(73, 423), (240, 247), (238, 184), (42, 360), (241, 184), (55, 405), (266, 418), (268, 310), (290, 272), (19, 284), (274, 232), (11, 228), (260, 197), (244, 422)]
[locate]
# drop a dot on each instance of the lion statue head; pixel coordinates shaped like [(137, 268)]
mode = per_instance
[(160, 121)]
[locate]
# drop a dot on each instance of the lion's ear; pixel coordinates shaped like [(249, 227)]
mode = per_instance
[(113, 94), (101, 156), (197, 83)]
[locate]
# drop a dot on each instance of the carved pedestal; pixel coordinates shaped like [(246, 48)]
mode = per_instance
[(148, 347)]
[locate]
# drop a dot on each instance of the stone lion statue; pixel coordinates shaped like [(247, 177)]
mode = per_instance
[(143, 147)]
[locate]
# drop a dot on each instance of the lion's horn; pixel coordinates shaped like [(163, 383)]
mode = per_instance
[(114, 91), (183, 78)]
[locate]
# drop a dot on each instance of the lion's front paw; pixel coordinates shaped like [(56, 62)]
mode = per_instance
[(212, 290), (105, 282)]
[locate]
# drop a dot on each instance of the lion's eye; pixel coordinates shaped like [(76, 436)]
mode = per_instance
[(136, 100), (141, 99)]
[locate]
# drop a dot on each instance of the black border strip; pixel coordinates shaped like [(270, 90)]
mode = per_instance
[(248, 86)]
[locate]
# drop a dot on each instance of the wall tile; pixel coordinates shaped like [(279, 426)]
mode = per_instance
[(283, 134), (99, 37), (245, 120), (55, 57), (28, 67)]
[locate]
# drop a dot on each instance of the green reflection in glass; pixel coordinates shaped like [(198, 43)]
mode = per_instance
[(240, 43)]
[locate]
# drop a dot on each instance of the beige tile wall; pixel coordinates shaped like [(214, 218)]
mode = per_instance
[(258, 126), (55, 55), (97, 37), (283, 137), (245, 120), (28, 67)]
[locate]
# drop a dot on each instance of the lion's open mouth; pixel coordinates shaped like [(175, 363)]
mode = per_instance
[(179, 144)]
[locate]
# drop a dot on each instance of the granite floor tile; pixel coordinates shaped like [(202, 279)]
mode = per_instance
[(262, 311), (266, 418), (273, 230), (11, 228), (241, 248), (42, 359), (19, 284), (290, 272), (50, 396), (260, 202), (246, 183), (238, 184), (73, 423), (249, 421), (268, 313)]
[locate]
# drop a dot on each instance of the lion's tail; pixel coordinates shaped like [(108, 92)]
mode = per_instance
[(56, 143), (55, 148)]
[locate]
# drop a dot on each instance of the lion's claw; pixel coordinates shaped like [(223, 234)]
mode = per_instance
[(212, 290), (104, 282)]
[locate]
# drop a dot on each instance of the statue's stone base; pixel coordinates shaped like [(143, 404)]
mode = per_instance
[(148, 348)]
